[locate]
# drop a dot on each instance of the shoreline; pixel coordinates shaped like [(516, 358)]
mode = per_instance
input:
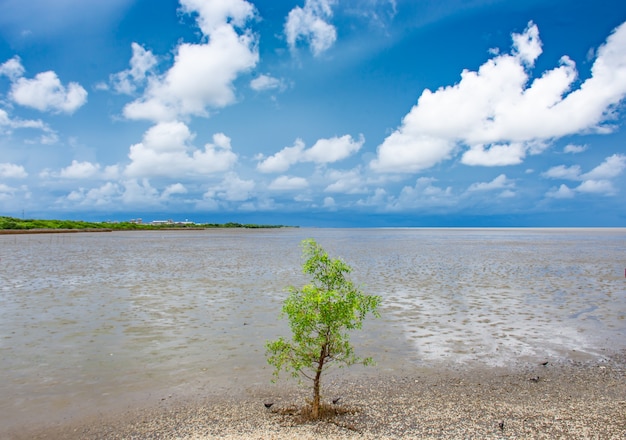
[(568, 399), (50, 231)]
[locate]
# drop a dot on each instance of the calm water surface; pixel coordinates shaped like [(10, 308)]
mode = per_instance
[(94, 318)]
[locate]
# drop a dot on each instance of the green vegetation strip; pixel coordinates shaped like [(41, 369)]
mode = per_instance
[(16, 225)]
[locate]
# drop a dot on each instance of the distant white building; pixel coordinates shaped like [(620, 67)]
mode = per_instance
[(171, 222), (162, 222)]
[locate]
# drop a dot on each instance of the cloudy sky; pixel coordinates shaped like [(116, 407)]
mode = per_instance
[(315, 112)]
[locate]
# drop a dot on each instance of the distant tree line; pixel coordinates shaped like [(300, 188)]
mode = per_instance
[(12, 223)]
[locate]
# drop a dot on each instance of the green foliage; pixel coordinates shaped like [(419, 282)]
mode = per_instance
[(26, 224), (321, 315)]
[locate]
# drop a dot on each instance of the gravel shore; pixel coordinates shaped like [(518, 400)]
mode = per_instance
[(548, 400)]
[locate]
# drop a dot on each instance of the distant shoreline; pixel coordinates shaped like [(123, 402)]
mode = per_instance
[(50, 231), (64, 231), (12, 225)]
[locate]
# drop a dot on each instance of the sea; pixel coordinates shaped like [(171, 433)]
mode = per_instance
[(90, 321)]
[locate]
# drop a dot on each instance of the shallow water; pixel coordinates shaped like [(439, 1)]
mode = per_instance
[(91, 319)]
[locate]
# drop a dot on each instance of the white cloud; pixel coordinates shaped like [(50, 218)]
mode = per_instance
[(282, 160), (500, 182), (423, 194), (562, 192), (175, 188), (105, 195), (322, 152), (333, 149), (213, 14), (286, 183), (495, 155), (346, 182), (501, 115), (111, 172), (12, 171), (137, 193), (612, 166), (596, 181), (266, 82), (311, 25), (202, 75), (6, 192), (329, 203), (166, 151), (12, 68), (562, 172), (596, 187), (573, 149), (141, 63), (45, 92), (80, 170), (232, 188), (8, 124)]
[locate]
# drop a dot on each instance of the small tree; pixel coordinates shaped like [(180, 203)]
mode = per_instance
[(320, 316)]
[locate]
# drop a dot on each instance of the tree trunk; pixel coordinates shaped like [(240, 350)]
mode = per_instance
[(315, 409)]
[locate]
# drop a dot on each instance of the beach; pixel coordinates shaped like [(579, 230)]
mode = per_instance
[(573, 399)]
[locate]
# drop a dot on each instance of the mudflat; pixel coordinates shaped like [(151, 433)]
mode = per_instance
[(561, 399)]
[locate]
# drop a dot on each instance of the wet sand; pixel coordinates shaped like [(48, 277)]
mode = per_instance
[(568, 399), (155, 335)]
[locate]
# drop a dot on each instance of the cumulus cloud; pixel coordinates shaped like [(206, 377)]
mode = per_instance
[(612, 166), (104, 195), (574, 149), (498, 115), (213, 14), (12, 68), (346, 182), (175, 188), (44, 92), (141, 63), (500, 182), (563, 172), (7, 124), (167, 151), (322, 152), (202, 75), (139, 193), (232, 189), (496, 155), (266, 82), (7, 192), (425, 193), (83, 171), (596, 187), (311, 25), (596, 181), (12, 171), (80, 170), (286, 183), (562, 192)]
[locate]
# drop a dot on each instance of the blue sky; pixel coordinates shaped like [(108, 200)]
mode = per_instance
[(315, 112)]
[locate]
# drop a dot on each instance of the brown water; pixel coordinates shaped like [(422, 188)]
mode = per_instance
[(90, 320)]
